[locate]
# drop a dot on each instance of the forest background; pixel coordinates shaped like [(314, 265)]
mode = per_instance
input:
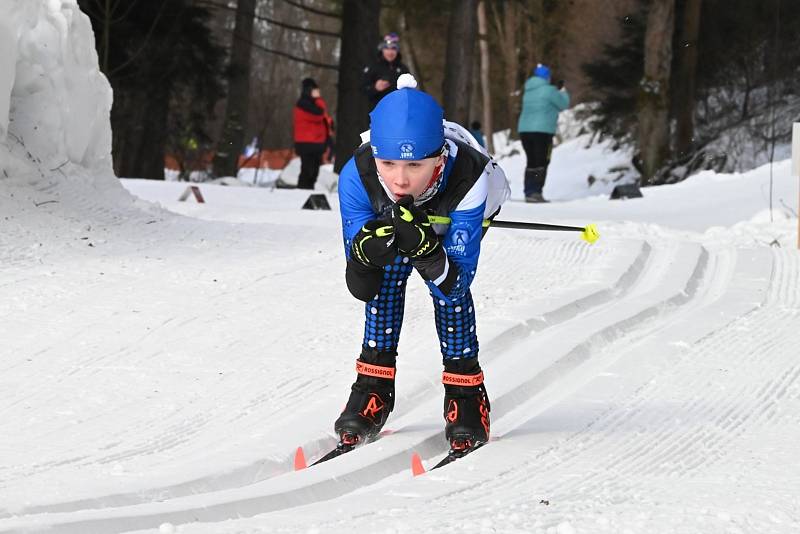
[(688, 83)]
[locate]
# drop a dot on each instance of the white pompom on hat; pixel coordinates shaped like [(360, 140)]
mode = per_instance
[(406, 80)]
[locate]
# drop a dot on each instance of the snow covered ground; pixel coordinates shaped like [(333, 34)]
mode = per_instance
[(162, 369), (161, 360)]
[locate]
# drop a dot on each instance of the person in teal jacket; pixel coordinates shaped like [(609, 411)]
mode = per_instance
[(541, 104)]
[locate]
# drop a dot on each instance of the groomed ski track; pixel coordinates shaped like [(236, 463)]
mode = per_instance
[(611, 369)]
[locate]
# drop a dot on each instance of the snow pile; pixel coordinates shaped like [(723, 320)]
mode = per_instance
[(776, 229), (58, 192), (54, 102), (740, 126)]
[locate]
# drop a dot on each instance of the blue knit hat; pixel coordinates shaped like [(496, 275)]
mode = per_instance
[(406, 124), (542, 71)]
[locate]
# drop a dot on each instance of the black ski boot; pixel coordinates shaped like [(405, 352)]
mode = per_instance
[(466, 406), (371, 399)]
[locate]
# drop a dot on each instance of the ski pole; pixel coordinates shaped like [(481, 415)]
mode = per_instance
[(589, 232)]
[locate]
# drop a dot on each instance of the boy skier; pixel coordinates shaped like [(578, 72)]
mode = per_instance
[(415, 164)]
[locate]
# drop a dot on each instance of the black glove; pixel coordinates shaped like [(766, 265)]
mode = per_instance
[(373, 245), (414, 235)]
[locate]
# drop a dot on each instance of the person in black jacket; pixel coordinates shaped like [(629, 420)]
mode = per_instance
[(380, 78)]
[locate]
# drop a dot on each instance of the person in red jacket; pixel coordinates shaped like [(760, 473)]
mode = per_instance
[(312, 129)]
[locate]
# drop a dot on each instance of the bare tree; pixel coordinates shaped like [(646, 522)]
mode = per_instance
[(507, 27), (686, 79), (457, 84), (316, 11), (408, 45), (653, 99), (486, 92), (283, 57), (283, 54), (360, 32), (236, 109)]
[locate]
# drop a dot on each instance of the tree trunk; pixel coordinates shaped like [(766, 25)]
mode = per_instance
[(486, 94), (236, 108), (507, 26), (152, 162), (686, 78), (409, 52), (654, 88), (360, 35), (459, 58), (139, 122), (535, 30)]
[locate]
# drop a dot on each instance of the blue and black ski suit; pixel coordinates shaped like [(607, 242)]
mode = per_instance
[(473, 189)]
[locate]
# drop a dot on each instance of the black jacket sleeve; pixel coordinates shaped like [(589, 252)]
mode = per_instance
[(363, 282), (368, 80)]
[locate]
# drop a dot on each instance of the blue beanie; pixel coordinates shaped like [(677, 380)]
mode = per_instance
[(406, 124), (542, 71)]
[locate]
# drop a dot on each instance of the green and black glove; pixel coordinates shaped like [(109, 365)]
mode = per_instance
[(414, 235), (374, 244), (371, 250)]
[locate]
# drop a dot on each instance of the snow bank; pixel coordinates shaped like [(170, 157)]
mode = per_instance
[(58, 194), (54, 102)]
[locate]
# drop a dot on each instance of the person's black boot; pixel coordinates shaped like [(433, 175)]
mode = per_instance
[(371, 398), (530, 182), (534, 183), (466, 405)]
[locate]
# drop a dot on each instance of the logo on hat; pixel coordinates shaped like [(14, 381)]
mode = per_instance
[(374, 150), (407, 151)]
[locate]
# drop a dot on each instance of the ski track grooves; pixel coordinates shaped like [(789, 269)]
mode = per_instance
[(621, 312), (698, 429), (629, 264), (636, 297)]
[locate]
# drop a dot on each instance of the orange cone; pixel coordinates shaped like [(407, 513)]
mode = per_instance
[(416, 465), (299, 459)]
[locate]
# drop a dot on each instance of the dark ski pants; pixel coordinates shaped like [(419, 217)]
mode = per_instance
[(455, 321), (538, 146), (310, 161)]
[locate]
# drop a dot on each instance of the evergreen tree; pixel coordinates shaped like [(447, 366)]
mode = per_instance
[(165, 69), (615, 77), (748, 61)]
